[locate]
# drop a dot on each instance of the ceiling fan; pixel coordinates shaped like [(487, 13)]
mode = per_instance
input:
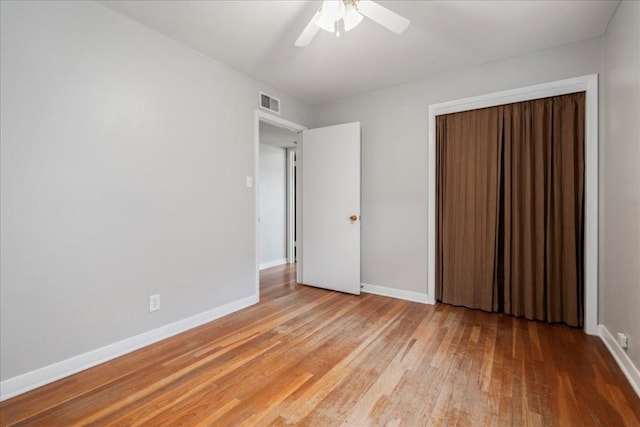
[(335, 16)]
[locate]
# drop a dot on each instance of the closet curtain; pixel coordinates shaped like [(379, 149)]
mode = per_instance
[(510, 209), (468, 154)]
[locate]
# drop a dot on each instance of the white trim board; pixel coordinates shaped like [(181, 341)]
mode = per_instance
[(588, 84), (291, 203), (22, 383), (397, 293), (626, 365), (274, 263)]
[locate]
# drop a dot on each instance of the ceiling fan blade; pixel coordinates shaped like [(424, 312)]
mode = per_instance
[(383, 16), (309, 32)]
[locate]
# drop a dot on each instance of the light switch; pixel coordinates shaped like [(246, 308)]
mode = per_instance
[(249, 182)]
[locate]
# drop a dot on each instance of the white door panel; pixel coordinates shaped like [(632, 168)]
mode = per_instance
[(330, 196)]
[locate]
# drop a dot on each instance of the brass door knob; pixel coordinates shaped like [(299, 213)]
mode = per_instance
[(353, 218)]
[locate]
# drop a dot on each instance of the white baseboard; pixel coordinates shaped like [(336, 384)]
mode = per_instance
[(48, 374), (397, 293), (628, 368), (273, 263)]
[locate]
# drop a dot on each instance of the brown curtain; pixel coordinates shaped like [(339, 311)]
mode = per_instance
[(543, 219), (468, 160), (534, 241)]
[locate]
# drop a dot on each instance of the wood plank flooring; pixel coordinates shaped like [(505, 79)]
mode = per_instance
[(307, 356)]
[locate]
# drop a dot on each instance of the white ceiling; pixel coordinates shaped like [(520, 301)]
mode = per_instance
[(256, 38)]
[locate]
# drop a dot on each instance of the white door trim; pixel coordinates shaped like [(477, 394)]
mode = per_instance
[(263, 116), (291, 209), (589, 84)]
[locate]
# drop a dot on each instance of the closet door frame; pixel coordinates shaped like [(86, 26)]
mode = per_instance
[(588, 84)]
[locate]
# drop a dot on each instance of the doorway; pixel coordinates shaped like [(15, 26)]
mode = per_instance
[(326, 173), (277, 139), (276, 196)]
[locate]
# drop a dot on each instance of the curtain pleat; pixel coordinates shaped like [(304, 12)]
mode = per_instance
[(510, 209)]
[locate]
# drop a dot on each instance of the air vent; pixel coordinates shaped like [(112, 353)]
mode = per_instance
[(270, 103)]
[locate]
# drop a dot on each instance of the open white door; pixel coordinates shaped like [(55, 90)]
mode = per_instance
[(330, 207)]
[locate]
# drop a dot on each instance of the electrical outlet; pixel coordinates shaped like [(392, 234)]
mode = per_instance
[(154, 302), (623, 340)]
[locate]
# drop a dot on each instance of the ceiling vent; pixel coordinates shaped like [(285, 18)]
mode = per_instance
[(269, 103)]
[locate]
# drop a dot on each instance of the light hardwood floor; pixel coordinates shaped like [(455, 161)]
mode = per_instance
[(307, 356)]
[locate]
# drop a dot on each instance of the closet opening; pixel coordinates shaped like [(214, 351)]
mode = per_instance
[(513, 216), (510, 209)]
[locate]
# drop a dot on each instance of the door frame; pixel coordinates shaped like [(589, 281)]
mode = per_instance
[(588, 84), (291, 208), (263, 116)]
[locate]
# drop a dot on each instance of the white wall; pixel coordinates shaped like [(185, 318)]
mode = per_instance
[(124, 156), (620, 179), (394, 151), (272, 204)]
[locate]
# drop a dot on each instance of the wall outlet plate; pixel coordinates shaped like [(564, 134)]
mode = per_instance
[(623, 340), (154, 303)]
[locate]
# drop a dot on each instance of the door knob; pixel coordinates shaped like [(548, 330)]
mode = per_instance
[(353, 218)]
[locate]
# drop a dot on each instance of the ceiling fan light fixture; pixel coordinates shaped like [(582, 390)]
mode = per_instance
[(331, 12), (351, 17), (337, 16)]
